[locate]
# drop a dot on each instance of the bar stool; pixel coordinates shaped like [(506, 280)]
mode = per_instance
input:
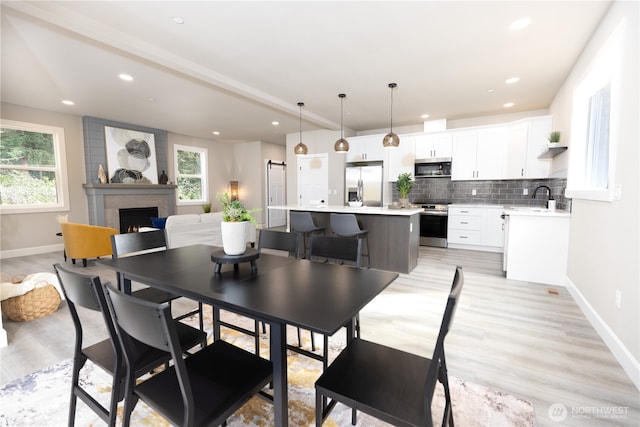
[(346, 225), (302, 222)]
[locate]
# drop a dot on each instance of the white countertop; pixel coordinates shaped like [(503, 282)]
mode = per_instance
[(522, 210), (364, 210), (531, 211)]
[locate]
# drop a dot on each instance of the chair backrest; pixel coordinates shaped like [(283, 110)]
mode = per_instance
[(301, 222), (84, 290), (344, 224), (438, 358), (153, 325), (337, 248), (133, 243), (279, 240)]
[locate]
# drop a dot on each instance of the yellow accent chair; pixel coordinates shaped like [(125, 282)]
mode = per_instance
[(83, 241)]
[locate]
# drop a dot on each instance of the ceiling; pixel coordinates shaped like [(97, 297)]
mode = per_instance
[(235, 67)]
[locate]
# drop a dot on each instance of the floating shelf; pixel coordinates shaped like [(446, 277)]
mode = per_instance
[(552, 152)]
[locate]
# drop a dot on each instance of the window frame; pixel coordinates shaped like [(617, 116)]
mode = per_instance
[(204, 160), (605, 70), (60, 169)]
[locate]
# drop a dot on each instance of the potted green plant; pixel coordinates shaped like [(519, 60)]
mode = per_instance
[(233, 225), (206, 208), (404, 185), (554, 137)]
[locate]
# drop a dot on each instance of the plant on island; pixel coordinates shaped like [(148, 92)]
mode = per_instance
[(404, 184)]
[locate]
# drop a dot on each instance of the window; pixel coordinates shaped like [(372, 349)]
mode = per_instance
[(33, 174), (191, 174), (594, 126)]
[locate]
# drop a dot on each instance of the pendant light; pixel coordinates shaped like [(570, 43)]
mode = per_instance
[(341, 145), (391, 139), (300, 149)]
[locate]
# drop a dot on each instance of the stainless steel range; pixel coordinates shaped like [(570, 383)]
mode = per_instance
[(433, 224)]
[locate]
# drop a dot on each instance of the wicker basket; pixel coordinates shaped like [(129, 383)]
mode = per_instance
[(36, 303)]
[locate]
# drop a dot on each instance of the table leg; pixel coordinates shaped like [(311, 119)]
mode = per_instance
[(216, 324), (278, 354)]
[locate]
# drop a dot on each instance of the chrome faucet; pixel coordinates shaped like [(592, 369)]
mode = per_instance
[(548, 193)]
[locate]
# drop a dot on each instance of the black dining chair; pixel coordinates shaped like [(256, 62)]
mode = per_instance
[(389, 384), (346, 225), (326, 249), (302, 222), (129, 244), (83, 290), (283, 242), (203, 389)]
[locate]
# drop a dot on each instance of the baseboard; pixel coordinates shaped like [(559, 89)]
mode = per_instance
[(13, 253), (630, 365)]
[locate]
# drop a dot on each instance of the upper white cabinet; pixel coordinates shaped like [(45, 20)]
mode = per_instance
[(434, 145), (525, 142), (479, 154), (401, 159), (366, 148)]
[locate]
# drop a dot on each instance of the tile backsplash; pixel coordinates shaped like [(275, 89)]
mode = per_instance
[(506, 192)]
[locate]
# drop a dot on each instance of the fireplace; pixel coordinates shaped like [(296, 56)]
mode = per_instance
[(106, 200), (131, 219)]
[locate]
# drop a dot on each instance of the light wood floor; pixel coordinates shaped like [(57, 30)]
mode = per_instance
[(508, 335)]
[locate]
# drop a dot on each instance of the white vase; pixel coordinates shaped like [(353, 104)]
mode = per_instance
[(234, 240)]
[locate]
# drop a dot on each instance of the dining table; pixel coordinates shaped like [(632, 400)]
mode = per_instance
[(278, 290)]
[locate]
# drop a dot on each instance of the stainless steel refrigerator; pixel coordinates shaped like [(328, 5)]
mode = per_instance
[(363, 181)]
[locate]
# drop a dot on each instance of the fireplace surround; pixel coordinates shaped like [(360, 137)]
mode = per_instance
[(106, 200)]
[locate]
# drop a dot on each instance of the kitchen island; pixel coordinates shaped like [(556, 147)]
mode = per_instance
[(394, 234)]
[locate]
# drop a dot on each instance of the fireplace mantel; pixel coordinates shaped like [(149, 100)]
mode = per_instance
[(106, 199)]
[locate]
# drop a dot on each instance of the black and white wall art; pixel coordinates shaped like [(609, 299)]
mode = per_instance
[(131, 156)]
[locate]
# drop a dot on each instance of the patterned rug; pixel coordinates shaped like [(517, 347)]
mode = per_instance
[(42, 398)]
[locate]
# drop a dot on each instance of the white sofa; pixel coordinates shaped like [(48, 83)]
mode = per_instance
[(191, 229)]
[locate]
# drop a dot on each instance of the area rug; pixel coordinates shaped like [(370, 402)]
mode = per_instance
[(42, 398)]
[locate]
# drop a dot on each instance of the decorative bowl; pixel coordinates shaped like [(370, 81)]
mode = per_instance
[(355, 204)]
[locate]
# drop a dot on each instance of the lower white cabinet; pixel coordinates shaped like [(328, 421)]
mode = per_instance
[(477, 228)]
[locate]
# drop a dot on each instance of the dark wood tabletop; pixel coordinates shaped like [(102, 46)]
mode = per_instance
[(285, 291)]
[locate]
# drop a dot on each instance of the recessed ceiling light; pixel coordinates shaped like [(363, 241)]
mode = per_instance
[(215, 132), (491, 90), (125, 77), (425, 116), (509, 105), (67, 102), (151, 99), (512, 80), (519, 24), (178, 20), (275, 123)]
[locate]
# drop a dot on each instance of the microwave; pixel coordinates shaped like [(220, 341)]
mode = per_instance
[(433, 168)]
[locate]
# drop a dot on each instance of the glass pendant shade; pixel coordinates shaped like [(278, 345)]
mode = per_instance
[(300, 149), (341, 145), (391, 140)]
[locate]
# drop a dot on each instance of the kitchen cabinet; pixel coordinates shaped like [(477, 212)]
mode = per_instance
[(475, 228), (479, 154), (526, 139), (366, 148), (434, 145), (401, 159), (537, 247)]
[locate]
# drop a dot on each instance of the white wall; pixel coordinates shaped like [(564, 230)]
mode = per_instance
[(220, 159), (32, 233), (604, 250)]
